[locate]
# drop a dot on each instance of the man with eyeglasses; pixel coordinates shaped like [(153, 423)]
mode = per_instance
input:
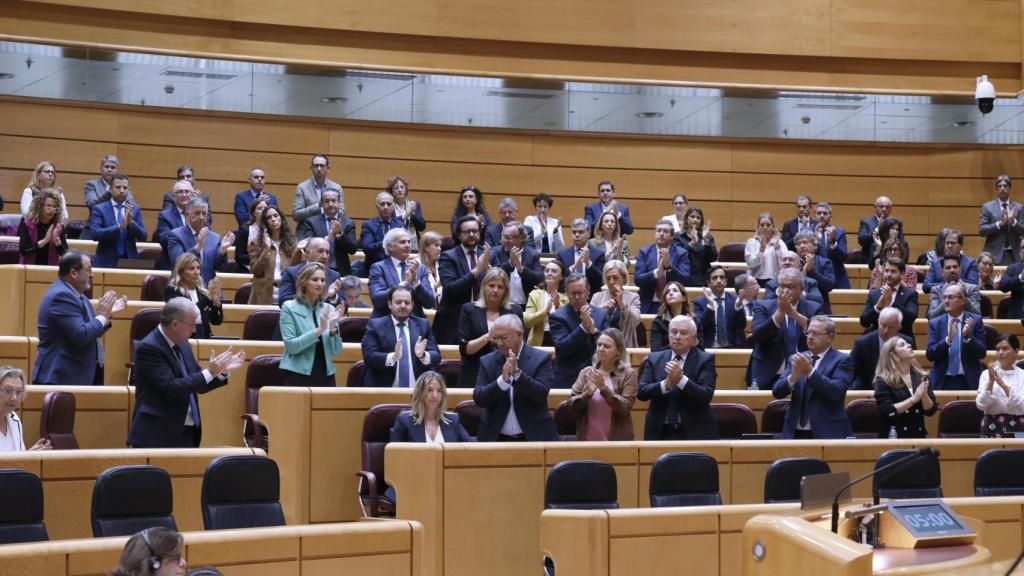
[(779, 327), (307, 193), (371, 238), (816, 383), (172, 217), (185, 173), (508, 211), (520, 261), (257, 191), (956, 344), (581, 258), (951, 275), (116, 226), (461, 269), (70, 331), (608, 203)]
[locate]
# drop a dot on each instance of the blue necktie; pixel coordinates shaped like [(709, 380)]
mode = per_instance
[(193, 402), (404, 377), (953, 369), (792, 337), (122, 236), (721, 335), (805, 414), (401, 277)]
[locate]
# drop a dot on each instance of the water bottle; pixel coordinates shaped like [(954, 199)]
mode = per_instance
[(892, 433)]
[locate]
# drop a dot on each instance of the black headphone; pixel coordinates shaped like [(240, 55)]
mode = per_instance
[(154, 558)]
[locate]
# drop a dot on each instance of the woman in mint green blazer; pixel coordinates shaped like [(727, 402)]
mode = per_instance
[(309, 327)]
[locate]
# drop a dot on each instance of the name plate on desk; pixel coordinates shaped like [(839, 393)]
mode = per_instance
[(922, 524)]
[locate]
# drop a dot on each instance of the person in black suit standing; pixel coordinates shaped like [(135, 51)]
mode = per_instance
[(399, 347), (868, 229), (168, 380), (679, 383), (574, 330), (802, 223), (520, 261), (581, 258), (715, 313), (477, 316), (336, 228), (512, 387), (893, 293), (866, 348), (461, 270)]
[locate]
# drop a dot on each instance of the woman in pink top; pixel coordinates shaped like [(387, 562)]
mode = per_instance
[(604, 393)]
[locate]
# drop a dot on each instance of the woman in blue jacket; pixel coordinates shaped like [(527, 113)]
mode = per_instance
[(309, 328), (429, 421)]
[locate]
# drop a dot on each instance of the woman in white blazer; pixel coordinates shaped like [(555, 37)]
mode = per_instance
[(547, 231)]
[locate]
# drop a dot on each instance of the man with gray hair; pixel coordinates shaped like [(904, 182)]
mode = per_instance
[(194, 236), (811, 291), (866, 349), (520, 261), (172, 217), (508, 212), (581, 258), (98, 190), (399, 268), (316, 250), (816, 382), (168, 380), (660, 263), (371, 239), (679, 383), (779, 328)]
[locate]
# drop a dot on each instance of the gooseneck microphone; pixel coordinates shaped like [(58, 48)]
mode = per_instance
[(882, 472)]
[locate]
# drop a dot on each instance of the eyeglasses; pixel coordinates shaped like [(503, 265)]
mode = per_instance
[(10, 392)]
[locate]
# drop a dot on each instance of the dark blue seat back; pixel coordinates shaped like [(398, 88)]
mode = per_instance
[(128, 499), (684, 479), (581, 485), (1000, 472), (921, 479), (241, 492), (21, 515), (782, 481)]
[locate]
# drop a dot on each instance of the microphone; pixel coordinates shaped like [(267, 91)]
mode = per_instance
[(882, 473)]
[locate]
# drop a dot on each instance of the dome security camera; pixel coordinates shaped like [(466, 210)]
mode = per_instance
[(985, 94)]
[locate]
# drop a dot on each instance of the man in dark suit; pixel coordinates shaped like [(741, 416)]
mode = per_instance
[(954, 244), (116, 226), (168, 380), (371, 237), (679, 384), (817, 382), (574, 330), (802, 223), (956, 344), (397, 269), (185, 173), (892, 293), (810, 292), (170, 218), (195, 237), (1001, 225), (1013, 282), (397, 348), (866, 348), (245, 198), (778, 329), (70, 345), (520, 261), (512, 388), (336, 228), (868, 229), (316, 251), (658, 264), (581, 258), (832, 243), (592, 213), (461, 270), (508, 211), (951, 274), (815, 267), (715, 313)]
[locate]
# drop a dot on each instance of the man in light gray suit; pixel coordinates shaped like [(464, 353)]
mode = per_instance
[(307, 193), (951, 273), (1001, 225)]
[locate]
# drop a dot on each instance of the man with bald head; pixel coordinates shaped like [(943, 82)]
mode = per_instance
[(512, 388), (869, 228), (679, 384), (257, 191), (956, 344), (779, 328), (371, 238), (866, 348), (316, 250)]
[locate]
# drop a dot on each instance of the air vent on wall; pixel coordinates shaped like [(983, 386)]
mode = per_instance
[(197, 75), (530, 95), (828, 106), (366, 75)]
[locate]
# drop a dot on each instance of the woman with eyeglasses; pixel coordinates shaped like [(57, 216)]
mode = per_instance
[(44, 176), (674, 301), (41, 235), (155, 551), (12, 393), (471, 201), (678, 215)]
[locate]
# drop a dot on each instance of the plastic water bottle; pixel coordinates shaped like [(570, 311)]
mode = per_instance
[(892, 433)]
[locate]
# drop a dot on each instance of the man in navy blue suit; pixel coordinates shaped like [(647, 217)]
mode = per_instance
[(70, 348), (195, 237), (679, 383), (810, 292), (815, 267), (868, 228), (892, 293), (956, 344), (397, 269), (592, 213), (168, 380), (512, 387), (371, 238), (802, 223), (520, 261), (714, 313), (172, 217), (316, 251), (832, 243), (461, 270), (581, 258), (778, 329), (658, 264), (245, 198), (574, 330), (397, 348), (116, 225), (953, 246), (816, 382)]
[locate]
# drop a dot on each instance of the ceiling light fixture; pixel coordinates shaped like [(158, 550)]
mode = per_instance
[(648, 115), (334, 99), (6, 75)]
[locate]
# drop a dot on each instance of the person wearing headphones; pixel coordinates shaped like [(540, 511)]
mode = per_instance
[(154, 551)]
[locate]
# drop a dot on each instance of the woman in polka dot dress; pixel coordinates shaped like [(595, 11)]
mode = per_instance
[(1001, 392)]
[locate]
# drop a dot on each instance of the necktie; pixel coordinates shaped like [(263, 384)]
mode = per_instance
[(404, 377), (792, 337), (472, 266), (953, 369), (672, 415), (193, 402), (401, 277), (721, 334), (805, 396), (122, 235)]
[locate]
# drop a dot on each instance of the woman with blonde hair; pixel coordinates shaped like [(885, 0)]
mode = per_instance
[(604, 393), (622, 306), (407, 209), (608, 239), (430, 254), (270, 252), (309, 328), (44, 176), (476, 320), (543, 301), (187, 282), (902, 391), (429, 420), (763, 251), (41, 237)]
